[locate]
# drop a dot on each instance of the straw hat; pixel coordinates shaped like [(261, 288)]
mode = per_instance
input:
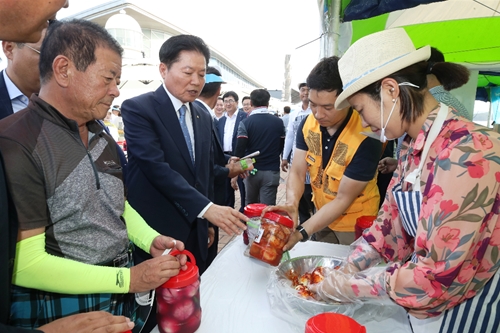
[(374, 57)]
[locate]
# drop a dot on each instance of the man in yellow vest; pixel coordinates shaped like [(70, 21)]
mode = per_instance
[(341, 161)]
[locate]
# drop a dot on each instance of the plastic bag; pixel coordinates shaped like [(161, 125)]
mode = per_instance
[(288, 305)]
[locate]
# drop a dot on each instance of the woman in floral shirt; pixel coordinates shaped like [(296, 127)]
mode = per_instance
[(440, 237)]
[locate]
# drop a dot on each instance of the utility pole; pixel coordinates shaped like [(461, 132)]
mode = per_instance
[(285, 96), (330, 24)]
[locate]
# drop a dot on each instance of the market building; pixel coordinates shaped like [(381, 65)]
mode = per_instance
[(141, 34)]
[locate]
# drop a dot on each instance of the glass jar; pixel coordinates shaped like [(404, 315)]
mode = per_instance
[(362, 223), (178, 300), (274, 232), (253, 212)]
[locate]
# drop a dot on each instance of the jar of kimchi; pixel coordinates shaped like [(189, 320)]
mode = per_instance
[(274, 232)]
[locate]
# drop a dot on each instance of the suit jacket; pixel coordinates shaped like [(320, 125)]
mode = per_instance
[(164, 186), (5, 103), (220, 129), (220, 161)]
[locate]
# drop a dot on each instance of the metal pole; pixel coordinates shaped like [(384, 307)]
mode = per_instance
[(330, 26), (335, 26)]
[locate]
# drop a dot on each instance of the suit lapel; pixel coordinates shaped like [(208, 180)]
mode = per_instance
[(239, 117), (169, 119)]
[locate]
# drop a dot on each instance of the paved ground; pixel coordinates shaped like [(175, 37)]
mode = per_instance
[(280, 199)]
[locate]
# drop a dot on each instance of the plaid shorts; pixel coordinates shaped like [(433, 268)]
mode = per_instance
[(32, 308)]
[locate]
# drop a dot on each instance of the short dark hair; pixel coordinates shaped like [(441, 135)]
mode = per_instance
[(260, 97), (244, 98), (212, 88), (172, 47), (325, 76), (302, 84), (230, 94), (286, 109), (77, 40)]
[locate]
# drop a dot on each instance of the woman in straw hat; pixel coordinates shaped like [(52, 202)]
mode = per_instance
[(439, 227)]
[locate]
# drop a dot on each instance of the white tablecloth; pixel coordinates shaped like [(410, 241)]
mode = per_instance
[(234, 299)]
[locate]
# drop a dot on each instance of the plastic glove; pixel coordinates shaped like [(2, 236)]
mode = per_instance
[(361, 256), (352, 288)]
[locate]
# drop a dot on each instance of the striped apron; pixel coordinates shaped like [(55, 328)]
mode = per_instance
[(475, 315)]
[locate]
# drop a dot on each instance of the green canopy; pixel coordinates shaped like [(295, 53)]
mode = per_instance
[(465, 31)]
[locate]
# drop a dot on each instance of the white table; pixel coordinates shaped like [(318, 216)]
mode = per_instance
[(234, 299)]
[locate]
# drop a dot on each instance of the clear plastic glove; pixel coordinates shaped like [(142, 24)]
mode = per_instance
[(361, 256), (367, 285)]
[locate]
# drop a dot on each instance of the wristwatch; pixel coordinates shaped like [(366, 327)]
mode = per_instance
[(303, 232)]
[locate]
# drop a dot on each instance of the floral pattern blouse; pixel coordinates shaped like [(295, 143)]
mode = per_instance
[(458, 236)]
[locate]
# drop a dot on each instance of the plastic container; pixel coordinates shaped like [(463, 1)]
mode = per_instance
[(362, 223), (274, 232), (253, 212), (178, 300), (247, 164), (333, 323)]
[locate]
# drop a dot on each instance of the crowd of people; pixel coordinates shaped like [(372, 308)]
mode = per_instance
[(84, 227)]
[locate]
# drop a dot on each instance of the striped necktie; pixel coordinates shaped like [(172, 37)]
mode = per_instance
[(187, 138)]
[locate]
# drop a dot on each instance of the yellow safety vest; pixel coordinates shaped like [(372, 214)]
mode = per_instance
[(325, 183)]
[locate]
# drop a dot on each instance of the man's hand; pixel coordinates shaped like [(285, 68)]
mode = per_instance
[(284, 165), (90, 322), (211, 236), (295, 237), (152, 273), (235, 168), (387, 165), (226, 218), (292, 212), (161, 243), (234, 183)]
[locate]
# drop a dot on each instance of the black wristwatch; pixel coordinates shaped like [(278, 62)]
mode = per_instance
[(303, 232)]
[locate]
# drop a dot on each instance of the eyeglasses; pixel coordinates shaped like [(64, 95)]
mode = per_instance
[(229, 101), (30, 47)]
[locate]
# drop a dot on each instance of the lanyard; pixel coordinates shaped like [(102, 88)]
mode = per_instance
[(414, 176)]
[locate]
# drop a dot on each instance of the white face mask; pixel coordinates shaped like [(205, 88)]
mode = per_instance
[(383, 138)]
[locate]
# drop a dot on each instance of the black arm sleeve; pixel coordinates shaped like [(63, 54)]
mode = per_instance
[(365, 162)]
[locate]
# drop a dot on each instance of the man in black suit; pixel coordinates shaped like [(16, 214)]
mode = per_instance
[(224, 165), (169, 138), (227, 129), (21, 77)]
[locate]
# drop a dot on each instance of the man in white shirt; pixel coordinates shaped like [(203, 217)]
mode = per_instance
[(227, 128), (300, 112), (21, 77), (218, 110)]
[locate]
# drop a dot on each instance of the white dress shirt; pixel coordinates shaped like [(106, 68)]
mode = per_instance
[(18, 100), (189, 119), (189, 123), (229, 131)]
